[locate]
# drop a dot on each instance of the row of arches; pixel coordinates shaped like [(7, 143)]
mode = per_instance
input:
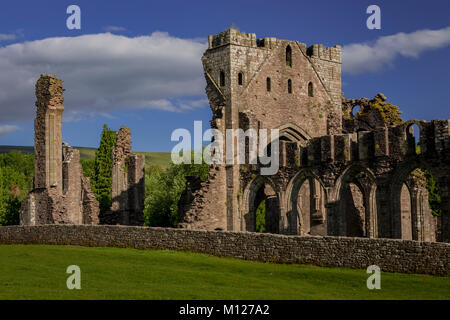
[(354, 207)]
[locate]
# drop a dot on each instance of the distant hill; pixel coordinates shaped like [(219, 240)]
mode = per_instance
[(161, 159)]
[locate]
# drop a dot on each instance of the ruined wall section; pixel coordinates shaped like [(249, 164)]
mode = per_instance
[(259, 59), (236, 67), (128, 184), (391, 142), (91, 208), (48, 132), (72, 173), (327, 63), (197, 203), (59, 184)]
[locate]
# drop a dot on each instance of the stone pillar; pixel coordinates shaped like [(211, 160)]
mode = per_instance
[(121, 151), (48, 135), (59, 184), (128, 186)]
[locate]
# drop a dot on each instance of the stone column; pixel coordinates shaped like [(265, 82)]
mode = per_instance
[(48, 135), (121, 151)]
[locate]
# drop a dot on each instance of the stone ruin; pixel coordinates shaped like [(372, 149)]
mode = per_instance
[(340, 174), (62, 194), (128, 184)]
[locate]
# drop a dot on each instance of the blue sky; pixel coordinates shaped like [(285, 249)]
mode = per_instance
[(415, 76)]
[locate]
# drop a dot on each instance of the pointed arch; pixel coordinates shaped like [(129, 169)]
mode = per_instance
[(355, 190), (421, 226), (259, 189), (293, 133), (306, 197)]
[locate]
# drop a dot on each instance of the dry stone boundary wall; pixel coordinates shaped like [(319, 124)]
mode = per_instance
[(390, 255)]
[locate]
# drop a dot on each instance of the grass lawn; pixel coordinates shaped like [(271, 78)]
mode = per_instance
[(39, 272)]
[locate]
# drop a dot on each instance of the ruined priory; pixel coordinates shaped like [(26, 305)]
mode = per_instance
[(341, 173)]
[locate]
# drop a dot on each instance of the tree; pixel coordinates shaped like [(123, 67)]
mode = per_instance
[(434, 195), (164, 188), (261, 217), (88, 166), (16, 180), (102, 184)]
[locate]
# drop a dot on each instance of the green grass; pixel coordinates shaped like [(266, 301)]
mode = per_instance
[(39, 272), (161, 159)]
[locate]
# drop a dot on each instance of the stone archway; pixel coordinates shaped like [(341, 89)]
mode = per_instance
[(306, 199), (355, 213), (261, 189), (353, 210), (411, 216)]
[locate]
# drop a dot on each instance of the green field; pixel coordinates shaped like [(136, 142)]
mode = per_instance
[(161, 159), (39, 272)]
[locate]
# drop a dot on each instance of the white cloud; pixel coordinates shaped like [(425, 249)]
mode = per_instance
[(371, 57), (102, 73), (7, 128), (114, 29), (7, 36)]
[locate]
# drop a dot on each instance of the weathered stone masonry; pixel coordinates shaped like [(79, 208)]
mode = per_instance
[(128, 185), (61, 194), (340, 174), (389, 254)]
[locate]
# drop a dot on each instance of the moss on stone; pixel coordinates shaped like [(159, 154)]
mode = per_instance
[(389, 112)]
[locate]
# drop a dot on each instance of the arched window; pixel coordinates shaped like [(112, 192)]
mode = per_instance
[(222, 78), (268, 85), (289, 86), (310, 90), (413, 138), (289, 56), (355, 110), (240, 78)]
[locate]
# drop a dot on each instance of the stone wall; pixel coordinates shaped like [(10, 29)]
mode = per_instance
[(128, 183), (390, 255), (61, 193), (266, 82)]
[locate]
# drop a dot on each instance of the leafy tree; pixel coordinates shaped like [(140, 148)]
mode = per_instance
[(164, 189), (16, 180), (88, 168), (261, 217), (102, 184), (434, 196)]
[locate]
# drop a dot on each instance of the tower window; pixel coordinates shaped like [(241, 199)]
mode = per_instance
[(222, 78), (310, 90), (289, 56), (289, 86), (240, 78), (268, 85)]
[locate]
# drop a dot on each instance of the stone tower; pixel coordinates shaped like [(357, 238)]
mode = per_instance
[(61, 193), (264, 84), (339, 174)]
